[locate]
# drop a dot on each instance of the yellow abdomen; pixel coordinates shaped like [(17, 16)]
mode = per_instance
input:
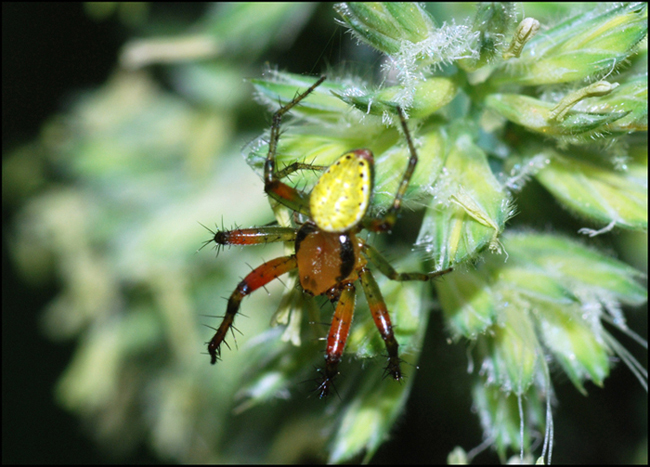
[(341, 196)]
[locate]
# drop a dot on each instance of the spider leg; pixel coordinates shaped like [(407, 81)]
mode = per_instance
[(382, 321), (385, 223), (254, 236), (338, 336), (389, 271), (257, 278), (281, 192), (291, 168)]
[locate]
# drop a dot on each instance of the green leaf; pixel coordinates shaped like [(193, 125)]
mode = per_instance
[(282, 88), (581, 47), (513, 355), (548, 283), (467, 303), (493, 21), (600, 194), (536, 115), (386, 26), (577, 286), (428, 97), (366, 420), (582, 270), (501, 418), (470, 208), (630, 97), (575, 345)]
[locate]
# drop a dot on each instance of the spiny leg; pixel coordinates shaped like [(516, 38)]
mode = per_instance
[(254, 236), (338, 336), (291, 168), (257, 278), (281, 192), (389, 271), (382, 321), (385, 223)]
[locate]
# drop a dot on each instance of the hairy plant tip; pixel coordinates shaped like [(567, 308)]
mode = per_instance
[(513, 422), (549, 301), (551, 290), (595, 191), (470, 208), (386, 26), (414, 60), (407, 34), (429, 96), (542, 118), (492, 25), (587, 46)]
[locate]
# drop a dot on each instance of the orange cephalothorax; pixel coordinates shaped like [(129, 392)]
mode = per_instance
[(325, 259)]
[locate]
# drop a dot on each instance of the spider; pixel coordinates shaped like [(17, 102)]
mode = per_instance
[(329, 256)]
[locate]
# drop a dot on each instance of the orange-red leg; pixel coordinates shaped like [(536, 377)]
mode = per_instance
[(257, 278), (382, 321), (338, 336), (254, 236)]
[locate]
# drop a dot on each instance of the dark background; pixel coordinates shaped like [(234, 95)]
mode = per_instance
[(50, 52)]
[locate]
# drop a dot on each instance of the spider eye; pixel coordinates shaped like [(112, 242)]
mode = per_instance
[(341, 196)]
